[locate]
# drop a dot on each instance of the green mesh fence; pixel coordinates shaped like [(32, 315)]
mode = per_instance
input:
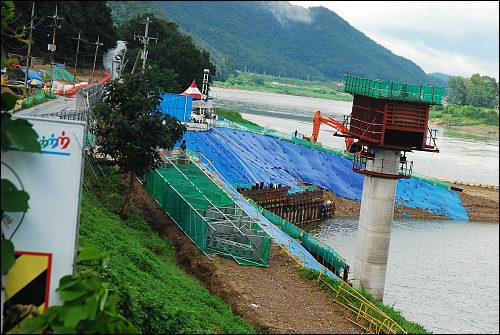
[(381, 89), (310, 243), (208, 215)]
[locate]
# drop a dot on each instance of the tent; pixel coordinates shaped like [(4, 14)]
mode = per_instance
[(192, 91)]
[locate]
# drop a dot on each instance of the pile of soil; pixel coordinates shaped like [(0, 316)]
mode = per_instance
[(274, 299)]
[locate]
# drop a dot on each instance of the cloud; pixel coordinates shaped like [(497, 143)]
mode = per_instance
[(284, 11), (436, 60)]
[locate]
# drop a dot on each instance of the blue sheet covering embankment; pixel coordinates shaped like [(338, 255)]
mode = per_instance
[(247, 158)]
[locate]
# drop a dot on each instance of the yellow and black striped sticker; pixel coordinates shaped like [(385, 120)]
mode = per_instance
[(28, 281)]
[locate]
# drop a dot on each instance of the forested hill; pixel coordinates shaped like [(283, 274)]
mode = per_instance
[(290, 41)]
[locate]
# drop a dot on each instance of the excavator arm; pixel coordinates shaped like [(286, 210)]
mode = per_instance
[(350, 145)]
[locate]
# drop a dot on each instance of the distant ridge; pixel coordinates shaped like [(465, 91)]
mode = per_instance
[(281, 39)]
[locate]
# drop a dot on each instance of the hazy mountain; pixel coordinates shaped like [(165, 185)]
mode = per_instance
[(287, 40), (442, 76)]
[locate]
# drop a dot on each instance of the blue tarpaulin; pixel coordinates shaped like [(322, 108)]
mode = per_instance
[(247, 158), (176, 105), (33, 75)]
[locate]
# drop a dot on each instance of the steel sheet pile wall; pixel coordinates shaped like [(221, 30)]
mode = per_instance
[(248, 158)]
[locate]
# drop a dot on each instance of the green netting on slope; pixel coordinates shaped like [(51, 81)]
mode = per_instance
[(62, 74), (310, 243), (382, 89), (201, 210)]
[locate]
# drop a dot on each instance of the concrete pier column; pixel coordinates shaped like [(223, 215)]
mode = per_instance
[(375, 222)]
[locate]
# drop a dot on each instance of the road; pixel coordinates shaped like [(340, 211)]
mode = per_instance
[(51, 106)]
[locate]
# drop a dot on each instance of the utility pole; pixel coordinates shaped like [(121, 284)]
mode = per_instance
[(95, 57), (52, 48), (145, 41), (77, 50), (29, 50), (123, 63)]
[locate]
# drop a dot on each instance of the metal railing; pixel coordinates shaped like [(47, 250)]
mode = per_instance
[(345, 295)]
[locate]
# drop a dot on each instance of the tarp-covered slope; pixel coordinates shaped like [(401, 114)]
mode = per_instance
[(247, 158)]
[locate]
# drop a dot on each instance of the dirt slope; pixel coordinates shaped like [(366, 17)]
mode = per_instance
[(275, 300)]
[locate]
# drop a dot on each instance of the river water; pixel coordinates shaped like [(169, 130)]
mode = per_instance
[(442, 274), (462, 156)]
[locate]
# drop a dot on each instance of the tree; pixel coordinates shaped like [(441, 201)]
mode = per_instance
[(134, 127), (93, 18), (226, 68), (172, 51), (458, 88)]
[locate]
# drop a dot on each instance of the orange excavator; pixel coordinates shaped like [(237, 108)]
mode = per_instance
[(351, 146)]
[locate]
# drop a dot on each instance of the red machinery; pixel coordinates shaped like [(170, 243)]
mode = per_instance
[(351, 146)]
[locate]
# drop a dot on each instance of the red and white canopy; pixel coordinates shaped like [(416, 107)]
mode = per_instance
[(193, 91)]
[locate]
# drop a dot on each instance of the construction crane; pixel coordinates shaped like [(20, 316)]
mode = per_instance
[(351, 146)]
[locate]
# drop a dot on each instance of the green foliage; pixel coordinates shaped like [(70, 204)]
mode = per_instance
[(134, 126), (318, 43), (153, 291), (8, 101), (88, 306), (291, 86), (172, 51), (17, 133), (92, 17), (233, 116), (8, 258), (165, 80), (477, 91), (409, 326), (456, 115), (34, 102)]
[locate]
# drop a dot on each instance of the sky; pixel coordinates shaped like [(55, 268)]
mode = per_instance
[(457, 38)]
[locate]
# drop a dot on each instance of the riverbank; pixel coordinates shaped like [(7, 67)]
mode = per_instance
[(477, 129), (277, 300), (273, 300)]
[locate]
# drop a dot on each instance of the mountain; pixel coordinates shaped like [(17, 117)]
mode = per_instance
[(442, 76), (276, 37)]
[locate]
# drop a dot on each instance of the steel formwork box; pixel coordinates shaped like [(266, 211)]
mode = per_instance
[(390, 124), (381, 89)]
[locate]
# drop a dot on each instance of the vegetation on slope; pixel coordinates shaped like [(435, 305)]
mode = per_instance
[(455, 115), (283, 85), (154, 293)]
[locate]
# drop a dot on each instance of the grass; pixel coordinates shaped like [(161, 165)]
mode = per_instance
[(455, 115), (233, 116), (409, 326), (290, 86), (154, 293)]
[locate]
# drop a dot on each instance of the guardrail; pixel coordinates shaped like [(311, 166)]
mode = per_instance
[(345, 295)]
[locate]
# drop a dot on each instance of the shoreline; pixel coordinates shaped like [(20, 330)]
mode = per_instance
[(478, 129)]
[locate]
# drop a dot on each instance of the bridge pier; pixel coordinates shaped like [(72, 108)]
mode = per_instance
[(375, 222)]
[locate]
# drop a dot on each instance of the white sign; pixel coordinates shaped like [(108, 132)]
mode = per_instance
[(53, 180)]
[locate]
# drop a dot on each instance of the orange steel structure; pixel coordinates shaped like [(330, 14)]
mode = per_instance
[(350, 144)]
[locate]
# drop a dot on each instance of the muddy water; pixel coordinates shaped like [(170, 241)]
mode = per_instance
[(442, 274)]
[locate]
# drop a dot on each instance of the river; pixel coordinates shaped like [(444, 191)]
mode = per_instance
[(462, 156), (442, 274)]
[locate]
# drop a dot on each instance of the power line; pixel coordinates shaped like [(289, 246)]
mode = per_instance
[(77, 49), (52, 47)]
